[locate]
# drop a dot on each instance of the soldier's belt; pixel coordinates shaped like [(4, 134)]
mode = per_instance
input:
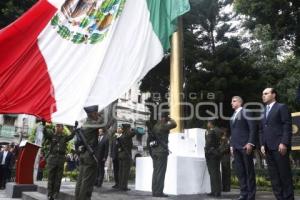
[(57, 153)]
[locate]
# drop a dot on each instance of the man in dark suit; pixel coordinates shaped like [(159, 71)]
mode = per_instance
[(115, 157), (101, 153), (5, 166), (242, 142), (275, 138)]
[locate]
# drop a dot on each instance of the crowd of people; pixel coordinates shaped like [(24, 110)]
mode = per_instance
[(94, 142)]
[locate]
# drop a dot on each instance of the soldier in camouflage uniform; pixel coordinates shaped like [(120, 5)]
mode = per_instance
[(56, 158), (87, 164), (225, 162), (160, 153), (124, 144), (213, 158)]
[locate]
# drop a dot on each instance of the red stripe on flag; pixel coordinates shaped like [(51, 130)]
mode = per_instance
[(25, 85)]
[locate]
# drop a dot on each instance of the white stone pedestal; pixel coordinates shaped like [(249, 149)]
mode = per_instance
[(186, 171)]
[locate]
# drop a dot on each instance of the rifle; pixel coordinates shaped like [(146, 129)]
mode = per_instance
[(88, 147)]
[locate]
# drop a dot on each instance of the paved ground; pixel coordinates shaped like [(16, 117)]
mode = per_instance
[(107, 193)]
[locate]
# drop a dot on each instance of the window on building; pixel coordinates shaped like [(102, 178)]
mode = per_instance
[(9, 120), (129, 94), (139, 98)]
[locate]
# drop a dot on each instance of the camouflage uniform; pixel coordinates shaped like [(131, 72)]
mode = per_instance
[(124, 144), (160, 155), (56, 160), (87, 164), (213, 158), (225, 163)]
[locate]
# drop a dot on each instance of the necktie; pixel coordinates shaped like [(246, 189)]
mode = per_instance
[(234, 116), (268, 110)]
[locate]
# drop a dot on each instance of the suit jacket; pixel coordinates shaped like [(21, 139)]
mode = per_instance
[(102, 148), (8, 159), (277, 127), (243, 130), (114, 149)]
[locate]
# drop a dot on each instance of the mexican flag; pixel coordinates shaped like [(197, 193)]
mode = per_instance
[(63, 55)]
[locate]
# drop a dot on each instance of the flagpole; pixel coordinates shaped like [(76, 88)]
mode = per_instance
[(176, 71)]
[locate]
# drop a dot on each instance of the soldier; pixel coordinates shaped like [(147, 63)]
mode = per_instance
[(225, 162), (124, 144), (56, 158), (88, 164), (101, 153), (160, 153), (213, 157)]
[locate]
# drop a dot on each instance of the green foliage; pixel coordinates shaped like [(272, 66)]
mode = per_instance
[(73, 175), (156, 82), (282, 16), (263, 181), (10, 10), (46, 143), (219, 63)]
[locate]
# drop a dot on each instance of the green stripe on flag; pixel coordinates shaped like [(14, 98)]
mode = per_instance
[(163, 16)]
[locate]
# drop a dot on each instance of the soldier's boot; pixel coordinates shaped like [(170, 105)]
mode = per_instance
[(160, 195), (50, 198), (55, 196)]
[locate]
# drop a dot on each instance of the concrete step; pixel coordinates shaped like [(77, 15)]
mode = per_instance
[(41, 194), (42, 189), (33, 196)]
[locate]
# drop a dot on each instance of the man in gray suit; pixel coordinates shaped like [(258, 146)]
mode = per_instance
[(275, 139)]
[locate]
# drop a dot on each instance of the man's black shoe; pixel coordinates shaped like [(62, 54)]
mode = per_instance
[(241, 198), (160, 195), (209, 194), (124, 189), (115, 186), (217, 194)]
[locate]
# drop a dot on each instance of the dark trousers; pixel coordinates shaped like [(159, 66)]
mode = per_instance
[(213, 165), (226, 173), (40, 175), (159, 172), (281, 176), (4, 175), (244, 168), (86, 179), (116, 170), (55, 174), (124, 172), (100, 173)]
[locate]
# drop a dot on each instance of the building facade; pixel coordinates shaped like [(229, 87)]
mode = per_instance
[(130, 109), (15, 127)]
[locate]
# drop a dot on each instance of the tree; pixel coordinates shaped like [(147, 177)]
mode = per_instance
[(283, 17), (220, 64), (277, 66), (12, 9), (157, 82)]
